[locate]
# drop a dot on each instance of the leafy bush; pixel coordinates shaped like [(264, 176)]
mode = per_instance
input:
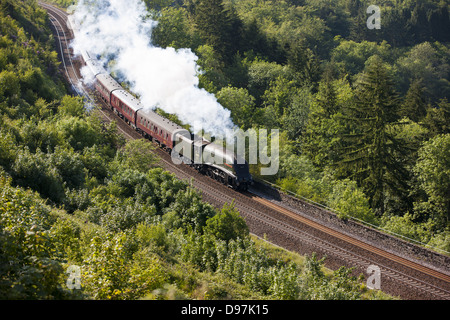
[(109, 274), (349, 201), (135, 230), (28, 268), (226, 225), (35, 171)]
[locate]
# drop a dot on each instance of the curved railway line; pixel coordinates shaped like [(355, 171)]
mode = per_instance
[(280, 225)]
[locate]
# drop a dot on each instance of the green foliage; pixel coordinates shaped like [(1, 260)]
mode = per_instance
[(240, 103), (437, 118), (66, 236), (349, 201), (296, 113), (35, 171), (326, 127), (7, 149), (430, 63), (187, 211), (341, 285), (216, 26), (261, 74), (173, 29), (227, 225), (153, 235), (305, 63), (78, 132), (28, 268), (285, 102), (304, 67), (137, 231), (405, 23), (9, 84), (370, 152), (95, 161), (441, 241), (49, 173), (40, 135), (71, 106), (405, 226), (63, 3), (137, 154), (433, 174), (414, 106), (308, 188), (350, 56), (110, 274), (25, 52)]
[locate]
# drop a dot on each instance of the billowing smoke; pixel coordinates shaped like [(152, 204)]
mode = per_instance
[(121, 31)]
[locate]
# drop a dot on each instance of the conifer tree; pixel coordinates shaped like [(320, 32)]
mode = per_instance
[(217, 26), (372, 152), (305, 65), (437, 120), (414, 106), (320, 139)]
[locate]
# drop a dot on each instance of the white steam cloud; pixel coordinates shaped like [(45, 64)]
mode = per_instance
[(167, 78)]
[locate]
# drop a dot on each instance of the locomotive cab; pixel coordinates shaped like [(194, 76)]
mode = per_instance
[(224, 166), (243, 176)]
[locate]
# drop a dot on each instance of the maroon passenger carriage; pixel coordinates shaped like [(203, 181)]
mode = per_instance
[(106, 85), (125, 105), (199, 153), (154, 127)]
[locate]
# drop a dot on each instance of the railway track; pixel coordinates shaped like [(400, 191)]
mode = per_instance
[(280, 225)]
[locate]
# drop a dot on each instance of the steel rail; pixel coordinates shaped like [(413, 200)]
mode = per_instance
[(355, 242), (314, 241), (276, 224)]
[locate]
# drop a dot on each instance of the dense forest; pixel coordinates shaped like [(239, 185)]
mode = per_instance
[(365, 122), (79, 205), (364, 113)]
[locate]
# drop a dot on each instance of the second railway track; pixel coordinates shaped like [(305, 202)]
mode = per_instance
[(284, 227)]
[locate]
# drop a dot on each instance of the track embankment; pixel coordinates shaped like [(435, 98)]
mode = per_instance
[(290, 223)]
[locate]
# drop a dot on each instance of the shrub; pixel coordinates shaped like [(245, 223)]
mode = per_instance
[(349, 201)]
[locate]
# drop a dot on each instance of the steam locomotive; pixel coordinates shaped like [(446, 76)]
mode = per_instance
[(208, 158)]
